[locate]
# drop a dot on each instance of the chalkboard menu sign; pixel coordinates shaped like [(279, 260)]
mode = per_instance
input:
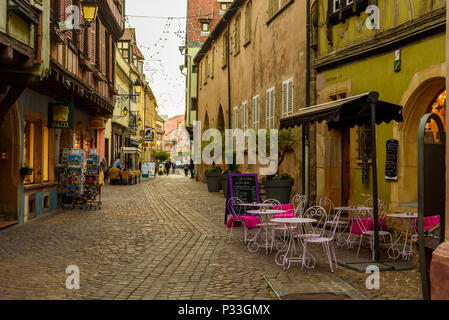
[(391, 168), (243, 186), (365, 168)]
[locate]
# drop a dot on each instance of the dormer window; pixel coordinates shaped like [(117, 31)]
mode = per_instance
[(205, 26)]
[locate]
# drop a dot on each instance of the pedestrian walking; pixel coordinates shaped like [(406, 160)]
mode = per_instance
[(186, 169), (167, 167), (174, 167), (191, 167)]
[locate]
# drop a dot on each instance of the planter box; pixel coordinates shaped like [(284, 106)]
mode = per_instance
[(278, 189), (213, 181)]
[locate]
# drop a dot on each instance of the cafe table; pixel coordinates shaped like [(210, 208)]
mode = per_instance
[(289, 252), (254, 205), (407, 227), (261, 238)]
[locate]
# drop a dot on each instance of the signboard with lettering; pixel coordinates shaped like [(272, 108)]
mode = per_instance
[(148, 169), (391, 167), (365, 169), (243, 186), (60, 116)]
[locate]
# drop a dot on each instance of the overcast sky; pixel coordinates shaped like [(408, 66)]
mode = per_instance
[(158, 40)]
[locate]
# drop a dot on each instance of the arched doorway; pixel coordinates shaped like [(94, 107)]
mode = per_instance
[(10, 144), (425, 98)]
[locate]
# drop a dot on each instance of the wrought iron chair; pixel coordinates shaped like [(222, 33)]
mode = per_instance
[(326, 242)]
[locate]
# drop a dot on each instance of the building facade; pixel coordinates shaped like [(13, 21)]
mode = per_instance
[(70, 98), (202, 17), (248, 79), (355, 55)]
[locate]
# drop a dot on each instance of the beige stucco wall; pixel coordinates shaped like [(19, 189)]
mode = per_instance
[(275, 53)]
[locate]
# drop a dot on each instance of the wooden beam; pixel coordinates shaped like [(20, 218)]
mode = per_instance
[(9, 99)]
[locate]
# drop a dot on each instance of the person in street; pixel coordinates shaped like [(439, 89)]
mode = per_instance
[(186, 169), (117, 164), (191, 167), (174, 167), (167, 166), (104, 168)]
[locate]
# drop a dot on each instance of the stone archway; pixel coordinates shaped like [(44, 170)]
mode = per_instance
[(10, 133), (423, 89)]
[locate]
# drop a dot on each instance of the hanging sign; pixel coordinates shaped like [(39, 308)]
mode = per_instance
[(397, 61), (96, 123), (391, 167), (149, 134), (60, 116), (243, 186)]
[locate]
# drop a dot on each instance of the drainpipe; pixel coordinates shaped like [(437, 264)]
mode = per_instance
[(229, 74), (305, 128)]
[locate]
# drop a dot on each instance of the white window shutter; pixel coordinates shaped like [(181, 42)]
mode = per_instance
[(268, 109), (290, 97), (273, 108), (285, 93)]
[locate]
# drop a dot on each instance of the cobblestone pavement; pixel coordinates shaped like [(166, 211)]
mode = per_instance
[(161, 239)]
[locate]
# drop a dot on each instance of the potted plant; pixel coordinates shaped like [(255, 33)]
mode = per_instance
[(213, 176), (279, 186)]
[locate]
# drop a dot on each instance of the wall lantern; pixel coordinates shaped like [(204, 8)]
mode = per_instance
[(125, 111), (90, 8), (139, 122)]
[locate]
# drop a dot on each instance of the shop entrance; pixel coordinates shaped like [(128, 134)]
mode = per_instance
[(10, 168)]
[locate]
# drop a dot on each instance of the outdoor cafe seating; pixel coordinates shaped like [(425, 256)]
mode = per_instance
[(291, 229)]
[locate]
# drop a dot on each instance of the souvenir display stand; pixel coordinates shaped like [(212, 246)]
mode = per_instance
[(93, 186)]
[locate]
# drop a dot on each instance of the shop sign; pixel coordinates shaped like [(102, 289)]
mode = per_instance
[(149, 134), (96, 123), (391, 166), (60, 116), (397, 61)]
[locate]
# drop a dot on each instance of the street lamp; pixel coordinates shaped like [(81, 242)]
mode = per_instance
[(125, 111), (139, 121), (90, 8)]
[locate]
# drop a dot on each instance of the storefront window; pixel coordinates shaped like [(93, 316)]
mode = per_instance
[(28, 152), (438, 106)]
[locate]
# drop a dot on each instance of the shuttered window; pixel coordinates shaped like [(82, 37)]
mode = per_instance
[(287, 97), (256, 112), (270, 106), (236, 117), (245, 116)]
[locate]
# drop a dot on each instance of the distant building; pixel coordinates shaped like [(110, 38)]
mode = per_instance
[(202, 17)]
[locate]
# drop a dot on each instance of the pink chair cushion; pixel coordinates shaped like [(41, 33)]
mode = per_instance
[(368, 224), (251, 222), (288, 206), (429, 222)]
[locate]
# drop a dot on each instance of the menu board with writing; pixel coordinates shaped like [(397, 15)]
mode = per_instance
[(243, 186), (391, 167)]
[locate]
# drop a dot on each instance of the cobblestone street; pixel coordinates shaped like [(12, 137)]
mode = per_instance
[(161, 239)]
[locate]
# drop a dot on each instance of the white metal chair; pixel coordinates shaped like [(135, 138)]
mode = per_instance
[(360, 226), (326, 242), (233, 204), (342, 225)]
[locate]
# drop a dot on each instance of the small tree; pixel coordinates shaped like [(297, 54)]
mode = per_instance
[(160, 156)]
